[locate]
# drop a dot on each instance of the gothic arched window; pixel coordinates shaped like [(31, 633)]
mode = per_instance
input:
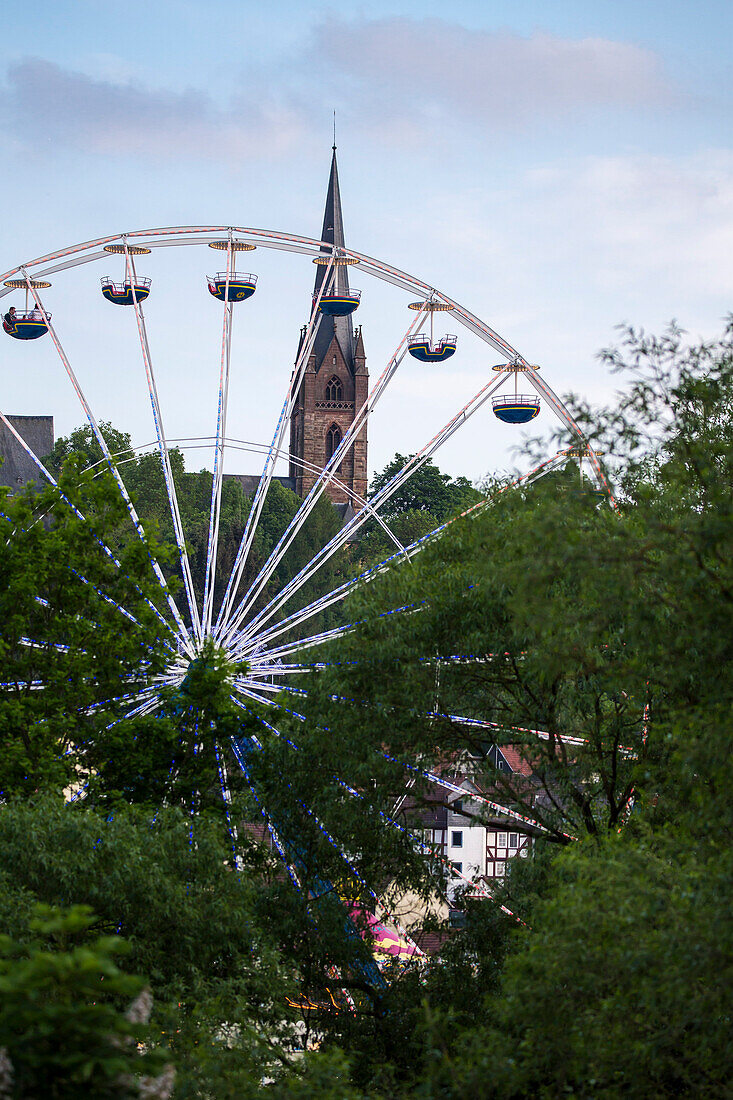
[(334, 389), (333, 438)]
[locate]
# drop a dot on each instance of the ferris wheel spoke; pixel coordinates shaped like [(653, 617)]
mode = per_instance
[(148, 706), (432, 776), (343, 590), (273, 453), (118, 607), (102, 545), (307, 643), (249, 693), (497, 807), (162, 444), (324, 477), (217, 479), (414, 838), (546, 391), (130, 698), (183, 631), (349, 529)]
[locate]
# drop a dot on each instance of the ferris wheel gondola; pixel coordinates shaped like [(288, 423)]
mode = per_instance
[(232, 285), (30, 322), (425, 348), (134, 288), (516, 408), (336, 298)]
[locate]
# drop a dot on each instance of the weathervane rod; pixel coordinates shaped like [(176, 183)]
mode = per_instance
[(334, 131)]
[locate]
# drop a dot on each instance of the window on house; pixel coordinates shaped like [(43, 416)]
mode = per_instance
[(333, 438), (501, 840), (499, 870), (457, 807), (457, 866), (334, 389), (490, 839), (514, 840), (457, 838)]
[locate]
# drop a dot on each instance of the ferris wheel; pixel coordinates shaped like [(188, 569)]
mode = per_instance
[(266, 633)]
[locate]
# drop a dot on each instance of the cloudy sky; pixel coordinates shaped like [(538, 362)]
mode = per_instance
[(557, 167)]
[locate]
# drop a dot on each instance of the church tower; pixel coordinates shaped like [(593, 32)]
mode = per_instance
[(335, 383)]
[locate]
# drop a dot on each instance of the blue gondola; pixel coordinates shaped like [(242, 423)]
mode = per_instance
[(516, 408), (26, 324), (340, 305), (121, 293), (422, 348), (241, 286)]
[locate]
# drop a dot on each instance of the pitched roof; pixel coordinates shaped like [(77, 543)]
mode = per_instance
[(515, 760)]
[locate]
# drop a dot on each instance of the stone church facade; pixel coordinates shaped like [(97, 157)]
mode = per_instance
[(334, 387)]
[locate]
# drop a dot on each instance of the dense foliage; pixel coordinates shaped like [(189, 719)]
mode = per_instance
[(592, 637), (610, 626)]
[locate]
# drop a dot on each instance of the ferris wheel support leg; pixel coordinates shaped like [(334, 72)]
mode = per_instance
[(163, 446), (272, 455), (184, 634), (226, 795), (359, 423), (268, 823), (348, 530)]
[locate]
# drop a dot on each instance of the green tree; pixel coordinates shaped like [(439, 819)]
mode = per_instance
[(428, 490), (610, 626), (80, 625), (193, 921), (64, 1031)]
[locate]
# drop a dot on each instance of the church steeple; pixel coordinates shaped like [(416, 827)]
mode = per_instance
[(334, 386), (332, 233)]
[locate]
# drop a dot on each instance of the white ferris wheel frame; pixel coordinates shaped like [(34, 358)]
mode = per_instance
[(232, 629), (245, 638)]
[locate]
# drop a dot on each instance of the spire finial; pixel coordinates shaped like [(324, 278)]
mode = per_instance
[(334, 132)]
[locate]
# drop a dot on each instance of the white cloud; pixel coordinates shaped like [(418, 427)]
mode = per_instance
[(44, 103), (431, 68), (398, 78), (662, 225)]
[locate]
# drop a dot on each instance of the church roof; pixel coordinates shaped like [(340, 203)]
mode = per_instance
[(333, 233)]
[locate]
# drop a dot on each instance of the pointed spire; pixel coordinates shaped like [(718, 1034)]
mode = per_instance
[(332, 233)]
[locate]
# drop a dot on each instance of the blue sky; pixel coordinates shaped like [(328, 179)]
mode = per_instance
[(558, 168)]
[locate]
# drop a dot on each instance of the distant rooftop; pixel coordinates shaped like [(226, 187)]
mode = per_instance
[(18, 468)]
